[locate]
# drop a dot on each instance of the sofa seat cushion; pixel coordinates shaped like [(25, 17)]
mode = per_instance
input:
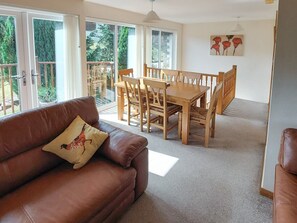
[(285, 196), (67, 195)]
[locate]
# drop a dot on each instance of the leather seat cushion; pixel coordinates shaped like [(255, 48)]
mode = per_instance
[(67, 195), (285, 196)]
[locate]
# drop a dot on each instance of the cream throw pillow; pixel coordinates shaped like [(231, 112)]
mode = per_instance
[(78, 143)]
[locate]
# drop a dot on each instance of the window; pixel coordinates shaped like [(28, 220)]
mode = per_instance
[(110, 47), (163, 49)]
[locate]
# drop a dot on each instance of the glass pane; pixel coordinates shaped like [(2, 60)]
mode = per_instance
[(9, 84), (48, 42), (100, 62), (166, 50), (126, 47), (155, 48)]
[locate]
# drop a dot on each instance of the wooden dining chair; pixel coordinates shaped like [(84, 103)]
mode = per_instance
[(191, 78), (205, 117), (125, 72), (170, 75), (135, 100), (158, 110)]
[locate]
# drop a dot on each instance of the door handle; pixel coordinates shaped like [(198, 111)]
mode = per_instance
[(33, 75), (23, 76)]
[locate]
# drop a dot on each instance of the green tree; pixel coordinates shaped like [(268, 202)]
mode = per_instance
[(123, 48), (7, 40), (100, 43), (45, 45), (44, 39), (8, 47)]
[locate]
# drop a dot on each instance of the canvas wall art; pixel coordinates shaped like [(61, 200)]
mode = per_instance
[(226, 45)]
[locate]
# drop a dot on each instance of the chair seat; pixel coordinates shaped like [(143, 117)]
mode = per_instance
[(198, 113), (171, 109)]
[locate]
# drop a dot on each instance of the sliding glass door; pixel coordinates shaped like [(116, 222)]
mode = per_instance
[(101, 61), (110, 47)]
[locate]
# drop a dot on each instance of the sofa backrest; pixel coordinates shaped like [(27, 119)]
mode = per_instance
[(23, 135), (287, 157)]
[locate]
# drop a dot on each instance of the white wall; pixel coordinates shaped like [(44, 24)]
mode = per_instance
[(283, 107), (254, 68)]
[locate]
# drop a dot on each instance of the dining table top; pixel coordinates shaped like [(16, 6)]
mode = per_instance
[(178, 90)]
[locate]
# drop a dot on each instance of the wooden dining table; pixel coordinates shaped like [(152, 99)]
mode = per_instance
[(178, 93)]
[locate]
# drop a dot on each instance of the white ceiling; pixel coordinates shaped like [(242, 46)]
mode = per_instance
[(195, 11)]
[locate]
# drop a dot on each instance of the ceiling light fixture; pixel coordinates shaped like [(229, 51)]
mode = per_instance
[(152, 15), (238, 27)]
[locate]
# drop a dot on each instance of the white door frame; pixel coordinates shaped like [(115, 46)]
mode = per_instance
[(20, 51)]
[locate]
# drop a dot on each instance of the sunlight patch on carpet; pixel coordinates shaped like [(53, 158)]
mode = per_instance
[(160, 164)]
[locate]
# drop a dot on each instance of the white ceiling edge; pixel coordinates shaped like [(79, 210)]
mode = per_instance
[(253, 10)]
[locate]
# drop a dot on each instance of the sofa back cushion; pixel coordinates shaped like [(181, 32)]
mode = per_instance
[(288, 150), (23, 135)]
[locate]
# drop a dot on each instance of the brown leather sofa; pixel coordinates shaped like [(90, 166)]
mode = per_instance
[(285, 188), (37, 186)]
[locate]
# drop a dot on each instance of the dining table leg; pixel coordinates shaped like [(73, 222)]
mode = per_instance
[(121, 101), (186, 122), (203, 101)]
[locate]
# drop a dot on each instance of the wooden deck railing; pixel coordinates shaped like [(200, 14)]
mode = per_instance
[(8, 99), (211, 80), (100, 74), (46, 73)]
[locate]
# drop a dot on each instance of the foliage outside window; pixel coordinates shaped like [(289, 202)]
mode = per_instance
[(8, 47), (45, 40), (103, 43)]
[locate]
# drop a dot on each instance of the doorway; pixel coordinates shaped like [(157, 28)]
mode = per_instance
[(110, 47), (31, 60)]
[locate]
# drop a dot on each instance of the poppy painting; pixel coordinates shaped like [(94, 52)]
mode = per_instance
[(226, 45)]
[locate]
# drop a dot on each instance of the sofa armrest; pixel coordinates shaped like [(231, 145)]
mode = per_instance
[(121, 146), (288, 151)]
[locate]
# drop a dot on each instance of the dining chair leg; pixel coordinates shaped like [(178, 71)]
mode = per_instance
[(165, 124), (165, 131), (179, 128), (206, 140), (148, 120), (213, 126), (129, 113), (141, 119)]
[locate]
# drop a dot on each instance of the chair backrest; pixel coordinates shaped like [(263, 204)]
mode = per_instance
[(132, 87), (155, 94), (191, 77), (214, 100), (169, 75), (125, 72)]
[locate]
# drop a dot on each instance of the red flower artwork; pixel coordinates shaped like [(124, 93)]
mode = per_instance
[(227, 45), (236, 41)]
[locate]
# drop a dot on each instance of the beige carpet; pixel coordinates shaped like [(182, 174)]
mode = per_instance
[(217, 184)]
